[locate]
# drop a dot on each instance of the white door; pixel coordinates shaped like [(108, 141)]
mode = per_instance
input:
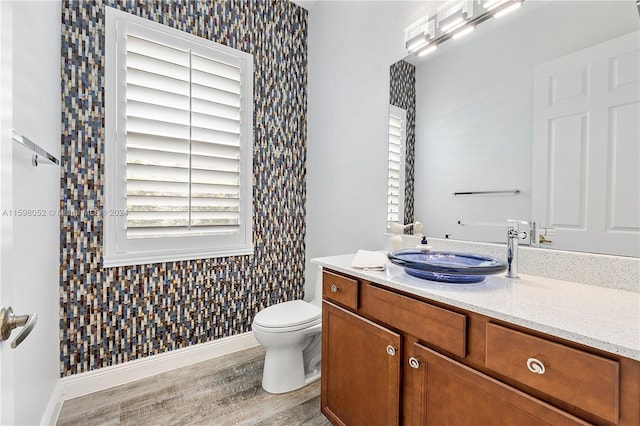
[(586, 148), (6, 225), (30, 240)]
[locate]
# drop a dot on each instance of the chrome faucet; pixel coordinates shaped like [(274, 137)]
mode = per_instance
[(534, 236), (513, 237), (512, 251)]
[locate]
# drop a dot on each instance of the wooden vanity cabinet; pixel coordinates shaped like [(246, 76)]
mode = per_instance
[(392, 358)]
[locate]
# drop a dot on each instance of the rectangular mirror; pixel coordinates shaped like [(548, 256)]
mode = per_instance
[(545, 101)]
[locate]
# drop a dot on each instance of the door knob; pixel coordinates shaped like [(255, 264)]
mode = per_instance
[(9, 321)]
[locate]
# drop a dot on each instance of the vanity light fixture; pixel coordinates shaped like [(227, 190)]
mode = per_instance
[(453, 20)]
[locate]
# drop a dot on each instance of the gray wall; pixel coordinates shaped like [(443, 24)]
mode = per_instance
[(351, 46)]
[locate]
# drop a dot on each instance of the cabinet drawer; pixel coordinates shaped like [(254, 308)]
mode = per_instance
[(433, 325), (339, 289), (584, 380)]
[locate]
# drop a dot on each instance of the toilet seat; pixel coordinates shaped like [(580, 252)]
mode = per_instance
[(287, 316)]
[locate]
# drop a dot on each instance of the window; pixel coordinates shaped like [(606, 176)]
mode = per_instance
[(395, 179), (179, 141)]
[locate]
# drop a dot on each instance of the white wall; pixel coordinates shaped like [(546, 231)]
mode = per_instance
[(474, 106), (36, 114), (351, 46)]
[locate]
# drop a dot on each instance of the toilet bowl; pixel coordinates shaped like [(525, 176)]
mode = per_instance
[(290, 333)]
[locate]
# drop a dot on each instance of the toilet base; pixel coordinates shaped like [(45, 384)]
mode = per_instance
[(292, 367), (284, 372)]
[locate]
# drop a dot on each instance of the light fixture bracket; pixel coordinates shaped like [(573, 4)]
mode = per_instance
[(420, 34)]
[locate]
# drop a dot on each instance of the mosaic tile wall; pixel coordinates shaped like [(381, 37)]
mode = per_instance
[(113, 315), (402, 93)]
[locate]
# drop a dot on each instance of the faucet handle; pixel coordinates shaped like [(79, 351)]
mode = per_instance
[(513, 230)]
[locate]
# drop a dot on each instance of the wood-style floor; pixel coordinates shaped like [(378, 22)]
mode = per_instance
[(222, 391)]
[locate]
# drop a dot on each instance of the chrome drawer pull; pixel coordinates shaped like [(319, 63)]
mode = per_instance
[(414, 363), (334, 289), (535, 366), (391, 350)]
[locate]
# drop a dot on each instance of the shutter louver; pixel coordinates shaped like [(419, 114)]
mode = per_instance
[(395, 177), (182, 141)]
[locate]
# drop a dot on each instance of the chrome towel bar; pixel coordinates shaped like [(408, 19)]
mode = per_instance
[(507, 191), (38, 152)]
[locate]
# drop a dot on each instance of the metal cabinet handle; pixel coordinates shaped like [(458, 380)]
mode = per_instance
[(414, 363), (535, 366), (334, 289), (391, 350), (9, 321)]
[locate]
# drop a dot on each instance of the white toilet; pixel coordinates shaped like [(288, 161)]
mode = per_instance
[(290, 333)]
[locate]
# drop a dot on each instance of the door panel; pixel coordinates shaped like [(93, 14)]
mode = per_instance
[(567, 163), (623, 170), (586, 148)]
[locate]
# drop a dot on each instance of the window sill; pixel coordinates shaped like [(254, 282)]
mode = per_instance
[(128, 259)]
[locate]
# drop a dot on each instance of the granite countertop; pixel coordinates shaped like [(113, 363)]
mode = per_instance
[(599, 317)]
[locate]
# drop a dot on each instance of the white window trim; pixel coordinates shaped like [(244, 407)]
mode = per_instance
[(400, 113), (118, 251)]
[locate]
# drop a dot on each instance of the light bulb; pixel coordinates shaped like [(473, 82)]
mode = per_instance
[(428, 50), (463, 33), (507, 10)]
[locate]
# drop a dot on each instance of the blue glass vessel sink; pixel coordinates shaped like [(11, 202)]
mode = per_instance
[(448, 267)]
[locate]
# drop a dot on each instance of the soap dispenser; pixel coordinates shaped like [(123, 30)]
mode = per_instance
[(424, 245)]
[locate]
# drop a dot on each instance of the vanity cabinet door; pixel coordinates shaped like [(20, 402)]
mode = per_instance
[(360, 370), (449, 393)]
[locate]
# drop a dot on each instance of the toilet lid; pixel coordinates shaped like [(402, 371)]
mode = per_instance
[(288, 314)]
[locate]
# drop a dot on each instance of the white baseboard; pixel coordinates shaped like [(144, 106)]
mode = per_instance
[(52, 410), (115, 375)]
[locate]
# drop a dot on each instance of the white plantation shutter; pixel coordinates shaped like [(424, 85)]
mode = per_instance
[(183, 142), (181, 158), (396, 165)]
